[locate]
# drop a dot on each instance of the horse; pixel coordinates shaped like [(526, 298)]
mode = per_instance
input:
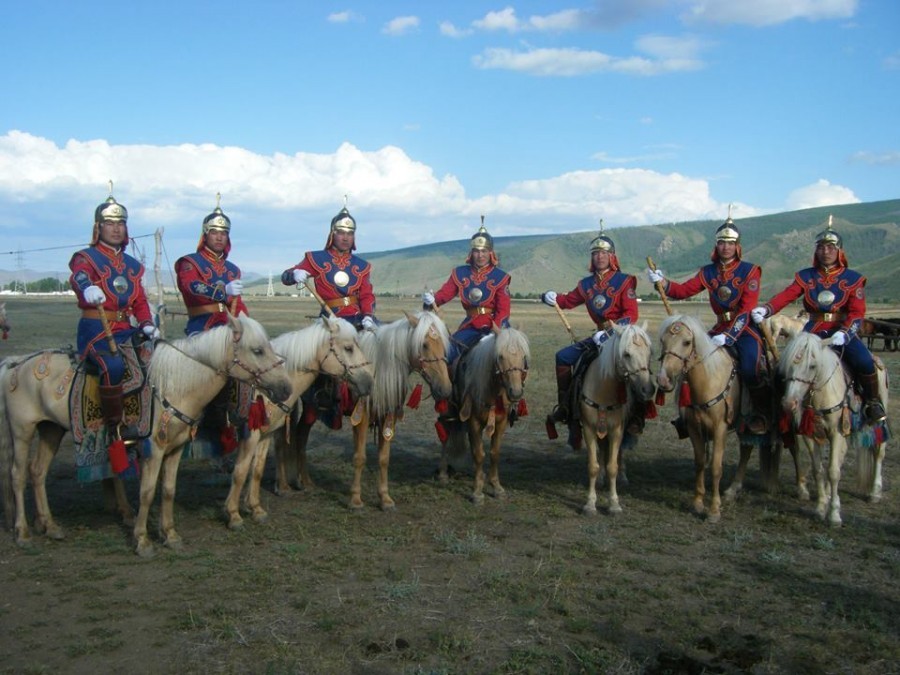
[(818, 385), (490, 389), (711, 376), (185, 375), (328, 346), (614, 382), (416, 343), (4, 322)]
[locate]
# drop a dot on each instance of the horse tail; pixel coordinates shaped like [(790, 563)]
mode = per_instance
[(6, 453), (865, 466), (457, 445), (770, 463)]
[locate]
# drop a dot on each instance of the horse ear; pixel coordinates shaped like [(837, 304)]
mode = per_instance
[(237, 328), (644, 325), (412, 318)]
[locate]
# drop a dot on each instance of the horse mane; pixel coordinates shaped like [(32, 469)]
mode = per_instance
[(703, 345), (481, 363), (620, 337), (396, 344), (801, 353), (299, 347)]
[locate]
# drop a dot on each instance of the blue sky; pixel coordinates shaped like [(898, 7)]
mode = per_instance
[(543, 116)]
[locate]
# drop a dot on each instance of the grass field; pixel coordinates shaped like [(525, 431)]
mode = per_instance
[(523, 585)]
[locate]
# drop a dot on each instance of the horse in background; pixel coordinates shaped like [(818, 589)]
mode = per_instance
[(689, 354), (185, 375), (329, 346), (4, 321), (491, 386), (614, 383), (416, 343), (818, 394)]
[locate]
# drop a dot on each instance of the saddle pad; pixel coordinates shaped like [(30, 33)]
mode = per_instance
[(236, 399)]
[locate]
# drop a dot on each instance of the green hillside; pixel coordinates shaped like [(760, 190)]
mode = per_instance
[(781, 244)]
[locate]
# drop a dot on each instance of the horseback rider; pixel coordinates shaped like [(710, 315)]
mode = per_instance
[(210, 284), (609, 296), (483, 290), (835, 298), (342, 279), (107, 284), (733, 287)]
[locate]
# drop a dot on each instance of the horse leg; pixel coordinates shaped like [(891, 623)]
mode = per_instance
[(496, 439), (836, 460), (254, 504), (299, 476), (719, 438), (122, 505), (876, 484), (359, 464), (801, 480), (623, 478), (19, 474), (589, 433), (49, 438), (149, 476), (737, 485), (816, 451), (170, 538), (613, 446), (246, 449), (699, 446), (384, 459), (476, 441)]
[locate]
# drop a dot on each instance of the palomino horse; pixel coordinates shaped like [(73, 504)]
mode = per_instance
[(614, 382), (492, 384), (688, 352), (817, 384), (415, 343), (185, 376), (328, 346)]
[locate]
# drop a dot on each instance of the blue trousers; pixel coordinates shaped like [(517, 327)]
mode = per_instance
[(855, 354)]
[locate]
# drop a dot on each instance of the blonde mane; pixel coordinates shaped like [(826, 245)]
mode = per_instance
[(481, 363), (703, 345), (299, 347), (614, 349)]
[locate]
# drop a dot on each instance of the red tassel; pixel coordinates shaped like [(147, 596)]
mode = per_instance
[(552, 434), (784, 423), (228, 439), (440, 407), (684, 396), (6, 335), (118, 458), (441, 431), (660, 397), (522, 408), (650, 412), (346, 397), (498, 406), (621, 393), (415, 397), (309, 414), (257, 418), (337, 421), (807, 422)]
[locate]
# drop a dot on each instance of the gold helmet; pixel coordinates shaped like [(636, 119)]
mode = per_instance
[(342, 222), (217, 220), (482, 241), (829, 236), (109, 210), (727, 231), (602, 242)]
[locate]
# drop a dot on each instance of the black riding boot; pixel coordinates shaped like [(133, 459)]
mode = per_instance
[(761, 402), (874, 408), (563, 385), (111, 406)]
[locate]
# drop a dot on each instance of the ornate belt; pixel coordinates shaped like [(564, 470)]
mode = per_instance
[(827, 317), (121, 315), (346, 301), (475, 311), (200, 310), (725, 316)]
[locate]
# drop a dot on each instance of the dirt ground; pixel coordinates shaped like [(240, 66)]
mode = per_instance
[(521, 585)]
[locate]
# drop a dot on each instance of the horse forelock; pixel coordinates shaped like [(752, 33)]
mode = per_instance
[(621, 340), (703, 345), (802, 353), (430, 324)]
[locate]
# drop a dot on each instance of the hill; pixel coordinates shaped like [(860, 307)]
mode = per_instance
[(780, 243)]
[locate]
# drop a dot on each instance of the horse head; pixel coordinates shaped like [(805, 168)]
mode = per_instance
[(677, 352), (633, 352), (806, 365), (511, 355), (429, 342), (254, 361), (341, 356)]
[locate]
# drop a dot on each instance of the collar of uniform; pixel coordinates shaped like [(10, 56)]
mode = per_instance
[(107, 250), (604, 275), (727, 267), (479, 273), (341, 259), (830, 271), (211, 255)]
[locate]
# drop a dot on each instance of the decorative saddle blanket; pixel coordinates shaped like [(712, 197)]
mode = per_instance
[(224, 423)]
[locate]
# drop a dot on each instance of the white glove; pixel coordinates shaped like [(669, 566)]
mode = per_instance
[(427, 298), (94, 296), (839, 339), (152, 332), (599, 337), (300, 276), (368, 323), (718, 340), (655, 276), (234, 287), (549, 298), (758, 314)]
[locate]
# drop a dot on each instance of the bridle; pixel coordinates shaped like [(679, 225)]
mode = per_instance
[(347, 368)]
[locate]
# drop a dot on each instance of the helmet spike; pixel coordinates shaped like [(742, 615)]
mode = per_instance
[(110, 187)]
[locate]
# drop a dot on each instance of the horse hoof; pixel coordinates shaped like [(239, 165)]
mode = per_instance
[(235, 524), (25, 543), (174, 542), (589, 510), (615, 509), (261, 517), (477, 500), (56, 533), (145, 551), (388, 507), (713, 518)]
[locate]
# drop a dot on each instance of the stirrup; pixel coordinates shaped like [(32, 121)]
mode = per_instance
[(757, 424), (560, 414), (875, 412)]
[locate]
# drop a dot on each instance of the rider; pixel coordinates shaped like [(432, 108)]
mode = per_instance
[(609, 296), (341, 278), (835, 298), (733, 287), (210, 284), (483, 290), (107, 283)]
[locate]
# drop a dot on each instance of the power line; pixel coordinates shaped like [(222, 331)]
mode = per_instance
[(57, 248)]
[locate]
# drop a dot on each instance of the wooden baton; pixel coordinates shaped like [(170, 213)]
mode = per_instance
[(660, 288)]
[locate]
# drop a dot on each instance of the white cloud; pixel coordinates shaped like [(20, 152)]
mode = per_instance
[(448, 29), (876, 158), (668, 54), (401, 25), (768, 12), (341, 17), (820, 193)]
